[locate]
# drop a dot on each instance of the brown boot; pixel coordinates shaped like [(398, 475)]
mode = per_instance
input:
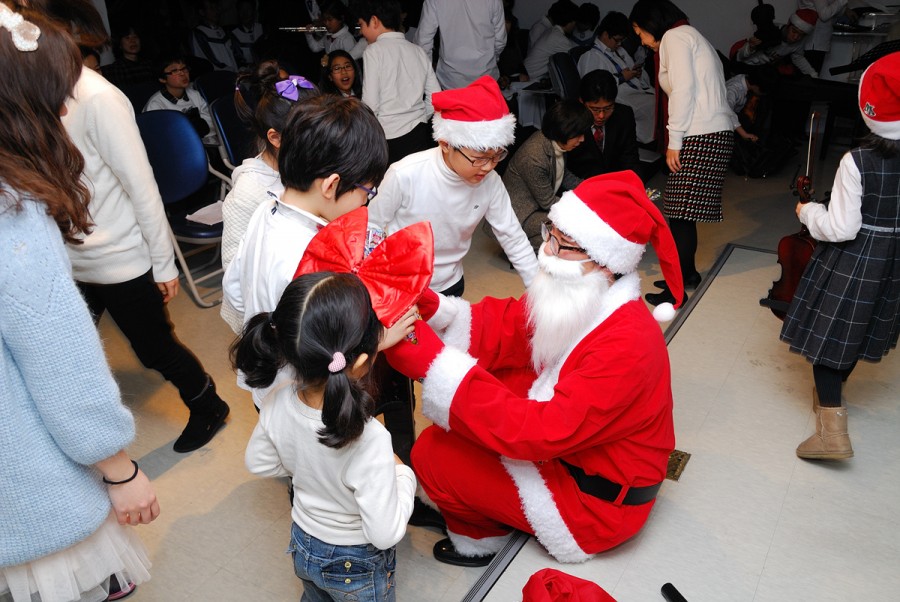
[(831, 441)]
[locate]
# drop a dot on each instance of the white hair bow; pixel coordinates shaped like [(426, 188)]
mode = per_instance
[(24, 33)]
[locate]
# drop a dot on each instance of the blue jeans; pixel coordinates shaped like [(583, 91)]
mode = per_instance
[(329, 573)]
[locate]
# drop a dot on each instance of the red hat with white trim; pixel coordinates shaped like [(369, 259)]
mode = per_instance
[(475, 117), (612, 218), (804, 19), (879, 96)]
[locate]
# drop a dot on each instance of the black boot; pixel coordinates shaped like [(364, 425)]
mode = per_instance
[(208, 413)]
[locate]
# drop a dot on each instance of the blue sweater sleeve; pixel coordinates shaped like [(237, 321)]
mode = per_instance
[(51, 341)]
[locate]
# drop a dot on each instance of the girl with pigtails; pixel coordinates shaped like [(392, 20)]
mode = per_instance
[(352, 495)]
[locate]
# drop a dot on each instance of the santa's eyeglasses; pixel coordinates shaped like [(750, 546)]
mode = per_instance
[(553, 241)]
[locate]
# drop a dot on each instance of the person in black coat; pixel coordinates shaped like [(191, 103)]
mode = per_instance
[(610, 144)]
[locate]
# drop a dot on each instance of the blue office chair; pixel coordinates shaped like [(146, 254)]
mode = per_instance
[(180, 167), (236, 141), (140, 93)]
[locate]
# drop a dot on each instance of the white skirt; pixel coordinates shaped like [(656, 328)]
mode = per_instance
[(80, 572)]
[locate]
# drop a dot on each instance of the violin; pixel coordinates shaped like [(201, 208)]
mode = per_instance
[(795, 250)]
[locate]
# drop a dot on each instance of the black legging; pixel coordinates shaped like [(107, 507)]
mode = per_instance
[(685, 234), (828, 384)]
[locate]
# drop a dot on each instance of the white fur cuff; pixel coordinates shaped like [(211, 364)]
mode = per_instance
[(444, 375), (468, 546)]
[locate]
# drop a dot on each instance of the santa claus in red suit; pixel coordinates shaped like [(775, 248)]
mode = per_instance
[(553, 412)]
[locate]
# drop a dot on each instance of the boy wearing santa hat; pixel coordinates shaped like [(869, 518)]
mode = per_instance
[(793, 44), (454, 185), (846, 305), (553, 412)]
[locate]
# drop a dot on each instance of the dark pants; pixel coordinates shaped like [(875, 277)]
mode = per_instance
[(417, 139), (455, 290), (138, 310), (396, 402)]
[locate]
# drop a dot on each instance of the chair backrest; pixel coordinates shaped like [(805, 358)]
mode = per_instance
[(140, 93), (564, 75), (238, 140), (175, 152), (215, 84)]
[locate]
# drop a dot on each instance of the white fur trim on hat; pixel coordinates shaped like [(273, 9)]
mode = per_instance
[(444, 376), (542, 513), (802, 21), (477, 135), (605, 246)]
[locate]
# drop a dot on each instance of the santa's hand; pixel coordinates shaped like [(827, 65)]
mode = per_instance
[(428, 304), (414, 359)]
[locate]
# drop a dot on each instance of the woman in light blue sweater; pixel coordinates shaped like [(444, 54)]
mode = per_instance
[(67, 486)]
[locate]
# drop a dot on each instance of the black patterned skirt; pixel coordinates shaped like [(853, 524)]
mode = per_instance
[(695, 192)]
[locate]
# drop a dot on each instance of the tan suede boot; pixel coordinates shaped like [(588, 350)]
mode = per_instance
[(830, 441)]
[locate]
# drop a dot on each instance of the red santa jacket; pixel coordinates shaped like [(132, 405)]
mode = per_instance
[(607, 408)]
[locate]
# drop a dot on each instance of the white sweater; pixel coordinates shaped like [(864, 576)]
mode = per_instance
[(690, 72), (131, 233), (421, 187), (350, 496)]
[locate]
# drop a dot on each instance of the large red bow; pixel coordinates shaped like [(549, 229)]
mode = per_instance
[(396, 272)]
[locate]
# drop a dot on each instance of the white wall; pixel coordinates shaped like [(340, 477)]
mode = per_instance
[(723, 22)]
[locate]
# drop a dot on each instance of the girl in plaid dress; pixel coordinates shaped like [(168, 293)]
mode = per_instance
[(847, 305)]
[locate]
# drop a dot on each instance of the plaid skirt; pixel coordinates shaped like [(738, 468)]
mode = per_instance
[(847, 305), (695, 192)]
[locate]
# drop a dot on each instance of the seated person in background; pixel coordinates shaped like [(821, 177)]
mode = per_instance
[(544, 24), (792, 45), (209, 41), (512, 60), (399, 79), (245, 34), (610, 144), (177, 94), (341, 75), (454, 186), (128, 68), (537, 173), (635, 89), (586, 21), (337, 35), (556, 39), (741, 88), (90, 58)]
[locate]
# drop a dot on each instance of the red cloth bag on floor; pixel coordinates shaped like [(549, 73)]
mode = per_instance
[(550, 585)]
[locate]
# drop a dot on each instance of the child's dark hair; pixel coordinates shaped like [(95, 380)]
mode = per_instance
[(387, 11), (336, 9), (562, 12), (565, 120), (588, 14), (167, 59), (615, 24), (884, 147), (656, 17), (327, 85), (598, 84), (328, 135), (319, 316), (260, 106)]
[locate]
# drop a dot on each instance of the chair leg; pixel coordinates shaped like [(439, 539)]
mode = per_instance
[(189, 278)]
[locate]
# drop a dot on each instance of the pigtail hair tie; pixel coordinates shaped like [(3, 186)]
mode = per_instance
[(338, 362)]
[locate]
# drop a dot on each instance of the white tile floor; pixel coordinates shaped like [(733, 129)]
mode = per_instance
[(747, 520)]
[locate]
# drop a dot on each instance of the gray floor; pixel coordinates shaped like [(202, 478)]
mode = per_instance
[(746, 521)]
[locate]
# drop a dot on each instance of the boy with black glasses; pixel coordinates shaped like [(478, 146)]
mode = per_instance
[(454, 186)]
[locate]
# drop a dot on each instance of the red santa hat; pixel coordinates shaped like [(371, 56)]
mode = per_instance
[(473, 117), (879, 96), (612, 218), (804, 19)]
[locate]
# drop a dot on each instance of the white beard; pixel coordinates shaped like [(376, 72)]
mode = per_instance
[(562, 304)]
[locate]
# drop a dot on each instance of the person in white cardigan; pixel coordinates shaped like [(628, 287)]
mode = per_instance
[(698, 122)]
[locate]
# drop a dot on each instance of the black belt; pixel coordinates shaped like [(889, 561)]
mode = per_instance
[(608, 491)]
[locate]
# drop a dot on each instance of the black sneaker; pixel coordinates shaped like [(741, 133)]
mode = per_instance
[(202, 426)]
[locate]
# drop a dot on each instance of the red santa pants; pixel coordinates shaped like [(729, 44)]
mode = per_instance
[(468, 483)]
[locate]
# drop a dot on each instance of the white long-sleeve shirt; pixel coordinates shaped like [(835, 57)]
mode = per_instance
[(350, 496), (398, 84), (841, 219), (749, 56), (163, 101), (690, 72), (422, 187), (473, 34), (736, 97), (538, 60), (342, 39), (131, 232)]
